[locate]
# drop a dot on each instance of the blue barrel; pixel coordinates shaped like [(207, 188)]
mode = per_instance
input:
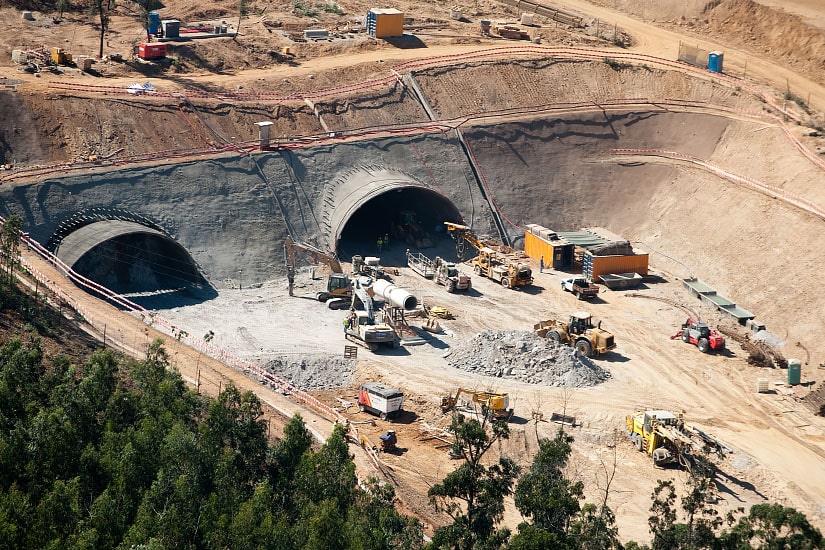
[(154, 22), (715, 61)]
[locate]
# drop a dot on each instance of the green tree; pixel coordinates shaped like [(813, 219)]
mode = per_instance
[(61, 6), (10, 246), (545, 495), (772, 526), (327, 475), (243, 11), (473, 494), (102, 9), (375, 523)]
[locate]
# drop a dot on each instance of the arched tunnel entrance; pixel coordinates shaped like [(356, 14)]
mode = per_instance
[(411, 217), (368, 203), (131, 259)]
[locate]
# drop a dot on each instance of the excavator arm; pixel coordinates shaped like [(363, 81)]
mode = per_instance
[(317, 254)]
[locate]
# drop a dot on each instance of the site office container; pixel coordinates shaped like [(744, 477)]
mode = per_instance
[(152, 51), (385, 23), (593, 267), (380, 399), (559, 254)]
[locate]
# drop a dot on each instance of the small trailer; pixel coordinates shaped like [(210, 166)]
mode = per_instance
[(421, 264), (379, 399)]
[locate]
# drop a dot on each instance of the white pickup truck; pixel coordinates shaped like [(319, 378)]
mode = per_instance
[(580, 287)]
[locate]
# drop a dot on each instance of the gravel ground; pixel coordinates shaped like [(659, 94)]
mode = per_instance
[(313, 372), (523, 356)]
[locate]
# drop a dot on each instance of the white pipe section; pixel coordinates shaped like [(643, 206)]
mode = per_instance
[(394, 295)]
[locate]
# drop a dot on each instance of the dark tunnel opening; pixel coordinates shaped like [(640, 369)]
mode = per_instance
[(410, 217), (137, 263)]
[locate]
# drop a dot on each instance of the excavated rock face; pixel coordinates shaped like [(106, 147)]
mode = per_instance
[(528, 358)]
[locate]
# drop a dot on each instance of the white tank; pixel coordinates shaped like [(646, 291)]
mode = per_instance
[(394, 295)]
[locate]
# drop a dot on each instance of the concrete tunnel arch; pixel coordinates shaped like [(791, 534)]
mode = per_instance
[(373, 196), (129, 258)]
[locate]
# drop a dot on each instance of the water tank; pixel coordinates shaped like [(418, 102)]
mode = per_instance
[(394, 295), (154, 22), (794, 371)]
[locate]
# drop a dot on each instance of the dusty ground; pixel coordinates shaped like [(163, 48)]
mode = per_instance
[(778, 443)]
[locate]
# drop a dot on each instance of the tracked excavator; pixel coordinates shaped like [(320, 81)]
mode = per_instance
[(492, 403), (339, 287), (663, 436), (363, 327), (497, 265)]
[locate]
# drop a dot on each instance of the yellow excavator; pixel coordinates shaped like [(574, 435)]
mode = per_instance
[(338, 294), (492, 403)]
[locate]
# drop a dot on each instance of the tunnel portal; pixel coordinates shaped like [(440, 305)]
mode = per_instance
[(412, 216), (129, 258), (373, 202)]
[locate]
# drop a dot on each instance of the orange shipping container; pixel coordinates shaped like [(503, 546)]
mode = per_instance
[(558, 255), (594, 267), (385, 23)]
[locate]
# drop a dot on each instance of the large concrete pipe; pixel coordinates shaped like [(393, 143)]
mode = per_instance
[(394, 295)]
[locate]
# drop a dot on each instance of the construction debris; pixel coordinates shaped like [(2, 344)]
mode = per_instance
[(521, 355), (313, 372)]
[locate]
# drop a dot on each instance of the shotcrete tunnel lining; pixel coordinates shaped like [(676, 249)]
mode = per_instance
[(367, 203), (128, 257)]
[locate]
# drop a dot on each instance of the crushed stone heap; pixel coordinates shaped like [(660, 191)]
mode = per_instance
[(313, 373), (524, 356)]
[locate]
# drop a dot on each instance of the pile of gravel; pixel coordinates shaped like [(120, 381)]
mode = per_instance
[(526, 357), (308, 373)]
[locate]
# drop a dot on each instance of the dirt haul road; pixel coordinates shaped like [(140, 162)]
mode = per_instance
[(768, 432), (654, 40)]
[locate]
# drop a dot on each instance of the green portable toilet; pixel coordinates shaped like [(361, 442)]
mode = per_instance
[(794, 371)]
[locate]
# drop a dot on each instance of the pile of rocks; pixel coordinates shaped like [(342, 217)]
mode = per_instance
[(313, 372), (526, 357)]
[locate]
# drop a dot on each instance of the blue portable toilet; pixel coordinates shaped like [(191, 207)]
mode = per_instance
[(715, 61), (154, 22)]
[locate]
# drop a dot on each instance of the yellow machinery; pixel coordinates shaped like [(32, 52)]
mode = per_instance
[(59, 56), (492, 403), (579, 332), (664, 436), (493, 264), (339, 286)]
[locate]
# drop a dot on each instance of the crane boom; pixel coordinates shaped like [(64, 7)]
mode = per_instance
[(464, 232)]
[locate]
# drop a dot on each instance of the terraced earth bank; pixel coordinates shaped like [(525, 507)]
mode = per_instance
[(704, 174)]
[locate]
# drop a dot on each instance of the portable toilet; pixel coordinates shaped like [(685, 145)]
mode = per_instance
[(715, 61), (794, 372), (154, 22)]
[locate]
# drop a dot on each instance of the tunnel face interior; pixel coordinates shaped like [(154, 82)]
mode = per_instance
[(140, 263), (408, 215)]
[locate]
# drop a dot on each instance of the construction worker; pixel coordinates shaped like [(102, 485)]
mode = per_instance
[(541, 264), (380, 243), (386, 239), (346, 325)]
